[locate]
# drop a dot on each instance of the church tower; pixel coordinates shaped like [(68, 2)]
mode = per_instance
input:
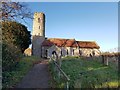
[(38, 34), (39, 24)]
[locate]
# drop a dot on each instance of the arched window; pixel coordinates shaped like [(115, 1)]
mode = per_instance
[(80, 52), (39, 27), (93, 53), (73, 51), (67, 51), (54, 55), (61, 52), (38, 20)]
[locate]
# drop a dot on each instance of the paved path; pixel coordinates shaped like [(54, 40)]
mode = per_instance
[(38, 77)]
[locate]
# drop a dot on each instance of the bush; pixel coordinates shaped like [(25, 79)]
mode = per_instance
[(10, 56)]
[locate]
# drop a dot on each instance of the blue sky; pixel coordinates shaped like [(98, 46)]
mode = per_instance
[(85, 21)]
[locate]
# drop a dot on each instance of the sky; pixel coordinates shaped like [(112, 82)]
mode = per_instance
[(84, 21)]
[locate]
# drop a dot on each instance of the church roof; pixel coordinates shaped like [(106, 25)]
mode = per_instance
[(47, 43), (69, 43), (87, 44), (58, 42)]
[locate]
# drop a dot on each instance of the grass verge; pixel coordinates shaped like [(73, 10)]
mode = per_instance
[(14, 77)]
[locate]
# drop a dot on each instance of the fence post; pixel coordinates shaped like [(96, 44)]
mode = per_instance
[(58, 74), (57, 67), (67, 85)]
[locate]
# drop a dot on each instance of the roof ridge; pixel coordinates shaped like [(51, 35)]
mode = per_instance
[(62, 38), (86, 41)]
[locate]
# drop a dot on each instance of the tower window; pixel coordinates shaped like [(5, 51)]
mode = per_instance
[(38, 20), (39, 27)]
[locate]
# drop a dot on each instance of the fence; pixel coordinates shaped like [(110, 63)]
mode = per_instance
[(60, 72)]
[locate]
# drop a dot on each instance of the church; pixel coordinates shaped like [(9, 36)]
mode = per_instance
[(45, 47)]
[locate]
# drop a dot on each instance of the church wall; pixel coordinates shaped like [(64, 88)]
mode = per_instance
[(44, 53), (75, 51), (64, 51), (50, 50), (84, 51), (88, 51)]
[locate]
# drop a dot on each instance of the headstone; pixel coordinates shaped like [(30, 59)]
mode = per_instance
[(106, 60)]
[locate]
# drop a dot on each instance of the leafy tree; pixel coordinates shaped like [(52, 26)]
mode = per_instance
[(16, 33)]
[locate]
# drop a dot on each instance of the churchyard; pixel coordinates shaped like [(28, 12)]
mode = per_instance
[(85, 72)]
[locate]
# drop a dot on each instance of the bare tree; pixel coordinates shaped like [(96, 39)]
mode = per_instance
[(14, 11)]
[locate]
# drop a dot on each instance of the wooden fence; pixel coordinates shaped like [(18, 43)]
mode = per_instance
[(57, 67)]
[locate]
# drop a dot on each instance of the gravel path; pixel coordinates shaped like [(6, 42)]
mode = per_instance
[(38, 77)]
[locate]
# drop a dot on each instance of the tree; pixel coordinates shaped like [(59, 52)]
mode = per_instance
[(16, 33), (14, 11)]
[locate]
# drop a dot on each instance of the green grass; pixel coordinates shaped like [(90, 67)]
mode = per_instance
[(14, 77), (89, 73)]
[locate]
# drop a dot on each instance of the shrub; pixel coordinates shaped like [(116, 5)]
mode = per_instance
[(10, 56)]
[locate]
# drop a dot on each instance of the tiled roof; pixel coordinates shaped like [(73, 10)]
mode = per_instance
[(87, 44), (59, 42), (47, 43), (69, 43)]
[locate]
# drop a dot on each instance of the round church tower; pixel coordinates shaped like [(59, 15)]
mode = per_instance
[(38, 34), (39, 24)]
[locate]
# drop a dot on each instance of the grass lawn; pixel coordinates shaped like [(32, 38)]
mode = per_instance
[(14, 77), (88, 73)]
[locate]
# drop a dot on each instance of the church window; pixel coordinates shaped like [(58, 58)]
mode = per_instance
[(67, 51), (38, 20), (73, 51), (80, 52), (93, 52), (61, 52)]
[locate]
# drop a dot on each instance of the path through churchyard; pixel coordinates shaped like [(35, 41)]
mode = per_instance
[(37, 77)]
